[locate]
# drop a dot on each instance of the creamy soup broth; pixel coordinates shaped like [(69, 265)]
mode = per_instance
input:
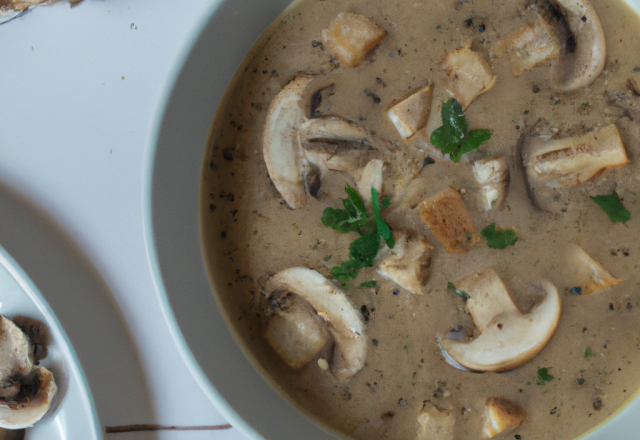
[(250, 233)]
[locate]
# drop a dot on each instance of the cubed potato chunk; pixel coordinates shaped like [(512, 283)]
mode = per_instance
[(493, 175), (351, 36), (409, 264), (585, 274), (434, 424), (532, 45), (468, 74), (297, 334), (449, 220), (412, 113), (502, 415), (371, 177)]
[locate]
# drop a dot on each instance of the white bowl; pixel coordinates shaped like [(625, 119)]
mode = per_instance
[(172, 230)]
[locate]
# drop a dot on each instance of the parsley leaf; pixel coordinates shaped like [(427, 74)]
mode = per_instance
[(384, 229), (354, 217), (454, 289), (452, 138), (371, 283), (499, 239), (589, 353), (612, 206), (543, 374)]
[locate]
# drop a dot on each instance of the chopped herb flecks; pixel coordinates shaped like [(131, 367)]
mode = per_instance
[(454, 289), (543, 374), (427, 161), (371, 283), (612, 206), (499, 239), (576, 290), (452, 138), (588, 353)]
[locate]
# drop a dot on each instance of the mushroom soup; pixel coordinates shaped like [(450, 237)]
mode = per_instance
[(420, 217)]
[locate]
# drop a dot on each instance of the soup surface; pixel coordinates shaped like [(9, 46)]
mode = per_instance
[(250, 233)]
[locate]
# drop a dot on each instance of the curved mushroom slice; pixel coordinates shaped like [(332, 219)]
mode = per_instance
[(371, 177), (32, 402), (468, 74), (493, 175), (532, 45), (501, 415), (351, 36), (434, 423), (448, 219), (584, 275), (333, 305), (280, 142), (297, 333), (409, 264), (16, 351), (412, 113), (333, 129), (507, 339), (583, 66)]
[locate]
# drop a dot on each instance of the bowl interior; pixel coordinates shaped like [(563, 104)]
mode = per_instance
[(172, 229)]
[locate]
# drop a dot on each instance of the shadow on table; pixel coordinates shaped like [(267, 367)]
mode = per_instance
[(85, 308)]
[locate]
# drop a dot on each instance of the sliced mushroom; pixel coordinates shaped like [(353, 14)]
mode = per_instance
[(532, 45), (333, 129), (296, 333), (434, 423), (34, 399), (412, 113), (581, 68), (558, 163), (468, 74), (351, 36), (501, 416), (283, 154), (449, 220), (409, 263), (346, 324), (16, 351), (584, 275), (493, 175), (371, 177), (507, 338)]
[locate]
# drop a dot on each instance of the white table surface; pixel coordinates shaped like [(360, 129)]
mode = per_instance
[(79, 88)]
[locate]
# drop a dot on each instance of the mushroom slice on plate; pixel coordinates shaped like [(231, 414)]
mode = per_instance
[(582, 67), (16, 351), (507, 338), (501, 415), (351, 36), (449, 220), (32, 402), (346, 324), (371, 177), (584, 274), (434, 423), (412, 113), (283, 154), (297, 333), (468, 74), (409, 263), (532, 45), (493, 175)]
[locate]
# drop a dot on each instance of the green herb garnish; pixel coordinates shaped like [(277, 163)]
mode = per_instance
[(588, 353), (499, 239), (454, 289), (371, 283), (354, 217), (452, 138), (612, 206), (543, 374), (427, 161)]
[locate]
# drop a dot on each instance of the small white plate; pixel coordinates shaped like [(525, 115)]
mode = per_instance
[(72, 415)]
